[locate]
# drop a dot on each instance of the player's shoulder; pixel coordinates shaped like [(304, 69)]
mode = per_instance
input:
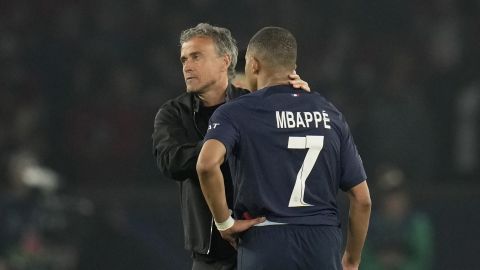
[(231, 106), (335, 115), (319, 97), (244, 99), (325, 102)]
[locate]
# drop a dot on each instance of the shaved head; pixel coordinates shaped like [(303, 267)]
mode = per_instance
[(275, 47)]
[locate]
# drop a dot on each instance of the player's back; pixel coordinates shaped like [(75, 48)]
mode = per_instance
[(287, 164)]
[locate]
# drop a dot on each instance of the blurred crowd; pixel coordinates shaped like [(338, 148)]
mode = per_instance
[(80, 82)]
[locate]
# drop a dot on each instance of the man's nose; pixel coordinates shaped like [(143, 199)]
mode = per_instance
[(187, 66)]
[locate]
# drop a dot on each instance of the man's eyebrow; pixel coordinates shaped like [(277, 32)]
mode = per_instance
[(195, 53)]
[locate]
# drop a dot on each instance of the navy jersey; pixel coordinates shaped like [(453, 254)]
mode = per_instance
[(289, 151)]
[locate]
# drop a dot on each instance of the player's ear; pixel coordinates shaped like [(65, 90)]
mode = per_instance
[(255, 65)]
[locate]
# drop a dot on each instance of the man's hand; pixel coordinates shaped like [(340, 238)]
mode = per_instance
[(297, 82), (239, 226)]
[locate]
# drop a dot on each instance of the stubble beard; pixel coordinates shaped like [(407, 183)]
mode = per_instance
[(201, 89)]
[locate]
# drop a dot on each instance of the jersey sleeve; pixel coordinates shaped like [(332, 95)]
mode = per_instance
[(352, 170), (222, 128)]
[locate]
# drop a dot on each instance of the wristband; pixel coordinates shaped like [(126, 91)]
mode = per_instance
[(227, 224)]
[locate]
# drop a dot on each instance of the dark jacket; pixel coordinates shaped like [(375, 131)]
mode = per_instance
[(177, 142)]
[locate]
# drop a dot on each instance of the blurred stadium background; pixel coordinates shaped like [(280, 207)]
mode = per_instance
[(81, 81)]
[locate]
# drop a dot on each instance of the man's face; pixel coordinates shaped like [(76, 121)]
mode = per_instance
[(202, 66)]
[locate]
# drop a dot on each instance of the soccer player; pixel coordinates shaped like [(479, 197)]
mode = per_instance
[(289, 153), (208, 56)]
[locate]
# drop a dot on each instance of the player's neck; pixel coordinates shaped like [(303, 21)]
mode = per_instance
[(215, 95), (270, 79)]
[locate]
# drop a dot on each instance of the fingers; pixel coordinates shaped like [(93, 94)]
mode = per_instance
[(294, 76), (231, 234), (297, 82), (258, 220), (300, 84), (231, 240), (243, 225)]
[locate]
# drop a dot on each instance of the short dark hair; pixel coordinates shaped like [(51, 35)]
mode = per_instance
[(222, 38), (276, 46)]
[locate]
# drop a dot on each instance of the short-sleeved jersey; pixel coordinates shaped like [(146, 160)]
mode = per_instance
[(289, 152)]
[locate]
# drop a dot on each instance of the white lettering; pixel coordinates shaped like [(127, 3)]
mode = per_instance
[(300, 120), (318, 118), (290, 120), (326, 120), (213, 126), (308, 118), (281, 121), (287, 119)]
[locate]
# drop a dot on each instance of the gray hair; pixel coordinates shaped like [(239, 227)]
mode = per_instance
[(224, 42)]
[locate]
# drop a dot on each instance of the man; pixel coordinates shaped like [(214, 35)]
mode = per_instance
[(289, 153), (208, 56)]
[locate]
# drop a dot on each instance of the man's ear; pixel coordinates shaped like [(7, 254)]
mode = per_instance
[(227, 60), (255, 65)]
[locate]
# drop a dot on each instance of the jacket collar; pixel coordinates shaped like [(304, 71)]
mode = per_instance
[(230, 94)]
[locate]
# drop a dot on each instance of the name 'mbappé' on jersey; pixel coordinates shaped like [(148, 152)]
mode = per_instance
[(289, 151)]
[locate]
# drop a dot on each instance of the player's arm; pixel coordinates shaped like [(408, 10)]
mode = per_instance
[(359, 216), (211, 179)]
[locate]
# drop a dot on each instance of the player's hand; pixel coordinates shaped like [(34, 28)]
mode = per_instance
[(346, 265), (239, 226), (297, 82)]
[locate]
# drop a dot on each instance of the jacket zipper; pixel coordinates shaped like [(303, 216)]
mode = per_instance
[(211, 222), (195, 124), (211, 234)]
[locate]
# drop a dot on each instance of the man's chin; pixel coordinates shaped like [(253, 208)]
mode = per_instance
[(195, 89), (198, 88), (192, 90)]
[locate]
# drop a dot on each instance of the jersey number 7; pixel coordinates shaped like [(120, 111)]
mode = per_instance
[(314, 144)]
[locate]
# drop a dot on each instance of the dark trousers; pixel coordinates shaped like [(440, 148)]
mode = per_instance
[(229, 264), (290, 247)]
